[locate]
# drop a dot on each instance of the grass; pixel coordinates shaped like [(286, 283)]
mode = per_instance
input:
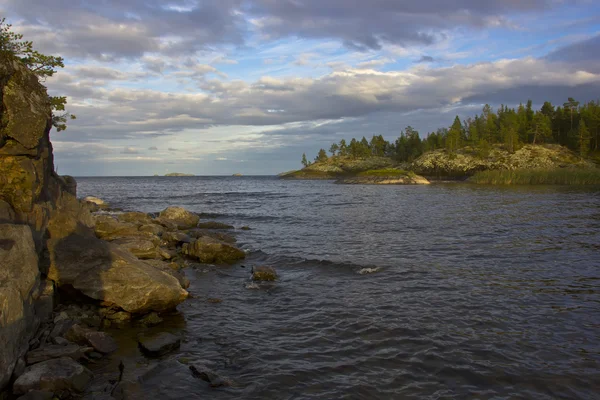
[(559, 176), (383, 172)]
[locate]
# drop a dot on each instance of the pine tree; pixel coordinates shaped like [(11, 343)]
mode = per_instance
[(322, 156), (304, 160), (454, 134), (584, 139), (343, 148), (334, 149)]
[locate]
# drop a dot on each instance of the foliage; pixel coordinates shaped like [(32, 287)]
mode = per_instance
[(384, 172), (560, 176), (41, 65)]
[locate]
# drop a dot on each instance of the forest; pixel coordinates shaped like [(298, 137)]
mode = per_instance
[(574, 125)]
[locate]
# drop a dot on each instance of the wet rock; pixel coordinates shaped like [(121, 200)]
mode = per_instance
[(37, 395), (220, 236), (211, 251), (246, 228), (61, 327), (214, 225), (158, 345), (201, 371), (56, 351), (53, 375), (115, 315), (100, 341), (166, 268), (151, 319), (264, 274), (106, 272), (109, 228), (180, 217)]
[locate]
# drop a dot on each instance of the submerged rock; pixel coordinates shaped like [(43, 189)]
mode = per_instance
[(159, 345), (37, 395), (214, 225), (201, 371), (180, 217), (53, 376), (100, 341), (50, 352), (94, 200), (264, 274), (212, 251)]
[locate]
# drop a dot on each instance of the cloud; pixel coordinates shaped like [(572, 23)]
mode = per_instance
[(153, 148), (425, 59), (172, 149), (130, 150)]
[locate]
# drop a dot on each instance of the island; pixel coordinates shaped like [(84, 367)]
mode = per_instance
[(512, 146), (237, 174), (178, 174)]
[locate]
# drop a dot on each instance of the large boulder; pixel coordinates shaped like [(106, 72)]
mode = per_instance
[(143, 249), (135, 217), (54, 376), (180, 217), (106, 272), (109, 228), (211, 251), (19, 283)]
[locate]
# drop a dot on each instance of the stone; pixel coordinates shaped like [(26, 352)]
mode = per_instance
[(246, 228), (214, 225), (263, 273), (94, 200), (166, 268), (53, 376), (136, 218), (50, 352), (7, 214), (152, 228), (151, 319), (180, 217), (37, 395), (61, 327), (61, 341), (19, 279), (175, 238), (106, 272), (158, 345), (201, 371), (20, 367), (212, 251), (100, 341), (167, 254), (141, 248), (109, 228), (220, 236), (44, 304)]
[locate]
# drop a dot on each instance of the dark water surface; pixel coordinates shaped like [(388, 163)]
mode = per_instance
[(480, 292)]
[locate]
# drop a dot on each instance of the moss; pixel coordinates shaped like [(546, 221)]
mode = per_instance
[(384, 172)]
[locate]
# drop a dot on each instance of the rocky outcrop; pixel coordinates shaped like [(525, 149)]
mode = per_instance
[(61, 374), (264, 273), (406, 179)]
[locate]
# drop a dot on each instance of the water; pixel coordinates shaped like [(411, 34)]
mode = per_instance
[(478, 292)]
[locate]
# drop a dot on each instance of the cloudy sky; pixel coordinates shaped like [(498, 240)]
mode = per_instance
[(224, 86)]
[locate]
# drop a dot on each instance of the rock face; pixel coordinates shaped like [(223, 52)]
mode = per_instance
[(408, 179), (180, 217), (53, 376), (208, 251), (19, 279)]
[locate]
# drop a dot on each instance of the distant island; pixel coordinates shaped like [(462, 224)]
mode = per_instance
[(238, 174), (178, 174), (511, 146)]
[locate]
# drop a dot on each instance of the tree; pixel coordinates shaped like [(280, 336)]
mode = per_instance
[(541, 127), (343, 148), (454, 134), (584, 139), (334, 149), (322, 156), (571, 105), (43, 66), (304, 160)]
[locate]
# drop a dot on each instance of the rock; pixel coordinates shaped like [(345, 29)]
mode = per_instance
[(264, 274), (179, 216), (106, 272), (214, 225), (115, 315), (200, 371), (37, 395), (94, 200), (220, 236), (136, 218), (152, 228), (109, 228), (398, 178), (100, 341), (61, 327), (246, 228), (209, 251), (151, 319), (175, 238), (20, 368), (61, 341), (166, 254), (166, 268), (7, 214), (158, 345), (53, 376), (56, 351), (141, 248), (44, 305), (19, 279)]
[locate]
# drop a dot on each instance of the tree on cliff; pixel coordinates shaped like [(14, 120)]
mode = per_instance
[(41, 65), (322, 156), (304, 160)]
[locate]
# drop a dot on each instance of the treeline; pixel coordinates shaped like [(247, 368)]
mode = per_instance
[(574, 125)]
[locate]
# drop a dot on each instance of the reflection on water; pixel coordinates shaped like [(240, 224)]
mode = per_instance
[(479, 292)]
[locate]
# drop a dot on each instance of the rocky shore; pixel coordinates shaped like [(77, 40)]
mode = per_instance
[(71, 272)]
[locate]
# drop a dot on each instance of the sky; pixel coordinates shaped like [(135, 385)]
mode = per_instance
[(216, 87)]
